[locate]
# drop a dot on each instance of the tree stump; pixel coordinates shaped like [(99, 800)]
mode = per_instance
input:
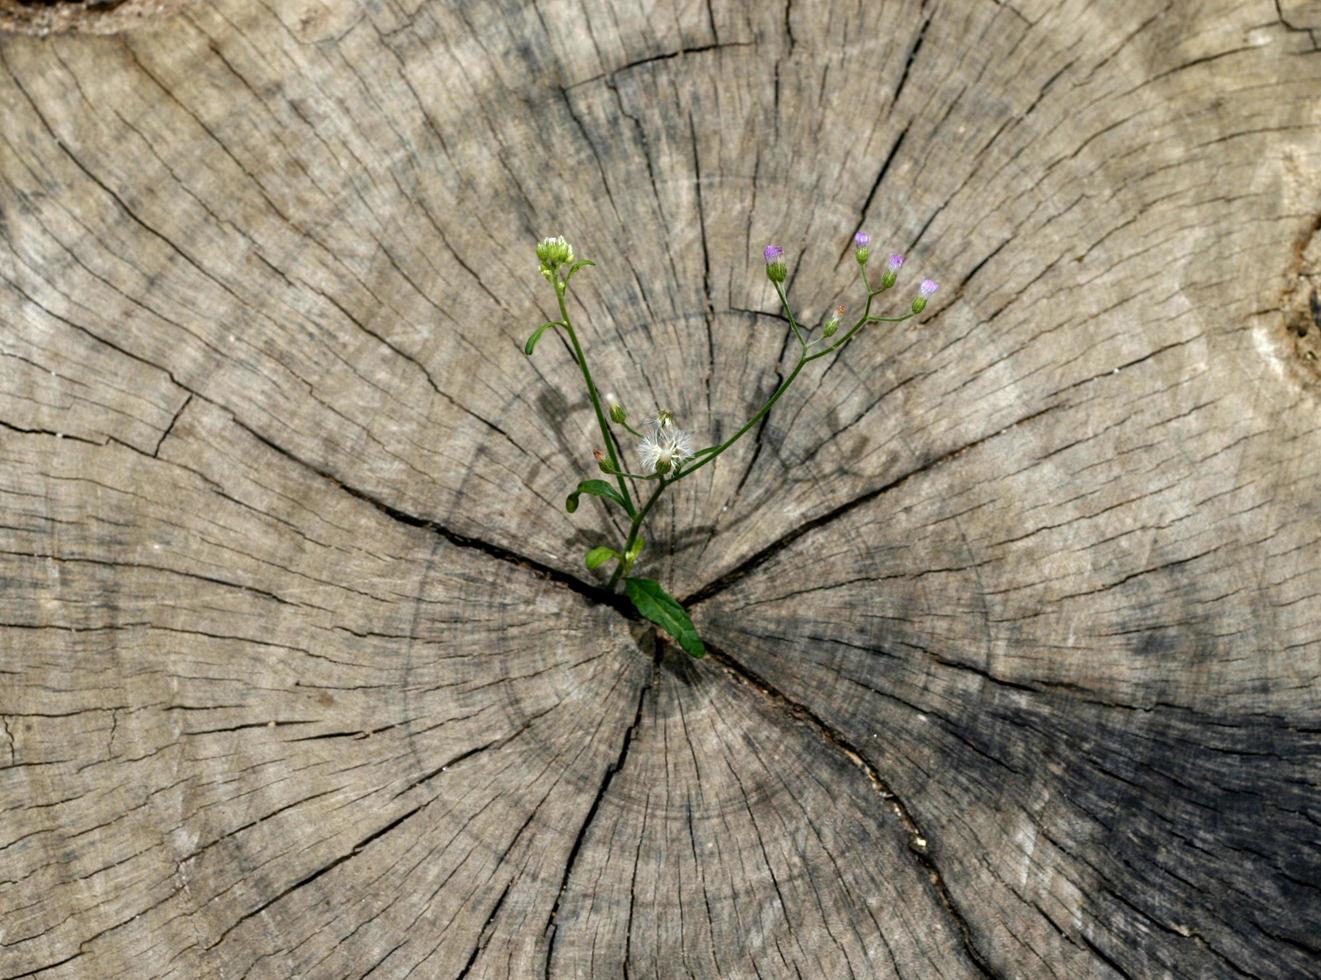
[(1013, 608)]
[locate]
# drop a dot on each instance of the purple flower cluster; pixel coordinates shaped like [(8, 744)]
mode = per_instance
[(776, 270)]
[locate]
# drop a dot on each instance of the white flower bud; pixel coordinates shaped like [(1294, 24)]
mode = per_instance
[(615, 409)]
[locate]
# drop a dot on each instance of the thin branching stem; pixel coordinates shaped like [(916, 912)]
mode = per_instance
[(611, 450), (625, 562), (666, 477)]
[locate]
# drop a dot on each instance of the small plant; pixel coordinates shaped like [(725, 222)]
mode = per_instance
[(665, 452)]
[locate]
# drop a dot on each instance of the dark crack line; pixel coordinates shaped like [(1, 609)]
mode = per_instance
[(484, 936), (758, 444), (323, 870), (917, 840), (706, 263), (908, 65), (876, 186), (552, 926), (751, 563), (614, 600), (653, 59), (170, 428)]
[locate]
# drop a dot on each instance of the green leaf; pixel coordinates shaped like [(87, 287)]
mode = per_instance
[(536, 335), (599, 556), (664, 610), (597, 488), (580, 264)]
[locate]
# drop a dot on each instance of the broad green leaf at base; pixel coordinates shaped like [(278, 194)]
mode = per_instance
[(664, 610)]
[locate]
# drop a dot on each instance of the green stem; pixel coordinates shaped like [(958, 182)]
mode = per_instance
[(633, 530), (784, 301), (704, 456), (594, 395), (856, 327), (711, 452)]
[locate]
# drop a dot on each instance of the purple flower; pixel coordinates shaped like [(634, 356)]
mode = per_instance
[(891, 270), (862, 239), (924, 292), (773, 253), (775, 268)]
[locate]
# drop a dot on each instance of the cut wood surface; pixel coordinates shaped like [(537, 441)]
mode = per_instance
[(1013, 608)]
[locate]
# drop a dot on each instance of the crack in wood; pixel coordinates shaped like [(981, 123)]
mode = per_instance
[(9, 738), (836, 740), (551, 929), (484, 934), (754, 561), (613, 600), (653, 59)]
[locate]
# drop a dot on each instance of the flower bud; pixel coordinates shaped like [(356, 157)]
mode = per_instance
[(553, 253), (775, 268), (617, 413), (861, 251), (604, 464), (891, 271), (832, 322), (924, 292)]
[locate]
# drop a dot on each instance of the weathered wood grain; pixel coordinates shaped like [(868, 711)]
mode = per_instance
[(1015, 662), (45, 17)]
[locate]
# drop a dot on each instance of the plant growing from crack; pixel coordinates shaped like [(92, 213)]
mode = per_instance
[(664, 451)]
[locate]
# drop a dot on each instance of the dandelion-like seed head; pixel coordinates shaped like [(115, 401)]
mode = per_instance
[(665, 447)]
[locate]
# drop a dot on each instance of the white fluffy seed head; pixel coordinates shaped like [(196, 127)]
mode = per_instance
[(665, 447)]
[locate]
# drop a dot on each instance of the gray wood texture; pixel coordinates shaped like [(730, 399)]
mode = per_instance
[(1013, 608)]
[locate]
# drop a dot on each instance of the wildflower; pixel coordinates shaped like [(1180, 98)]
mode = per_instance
[(832, 322), (924, 292), (861, 251), (666, 447), (554, 252), (775, 268), (891, 270), (604, 464), (615, 409)]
